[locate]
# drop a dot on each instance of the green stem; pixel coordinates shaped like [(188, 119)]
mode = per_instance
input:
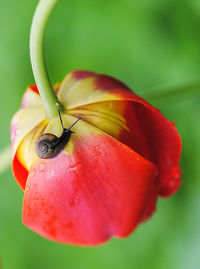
[(40, 73), (170, 94), (156, 97), (5, 159)]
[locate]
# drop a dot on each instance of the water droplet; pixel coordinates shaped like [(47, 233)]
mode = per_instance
[(95, 158), (72, 200), (97, 150), (14, 132), (90, 98), (27, 189), (12, 137), (70, 225), (96, 147), (42, 167), (17, 132), (176, 174), (50, 173), (74, 166), (32, 173), (171, 181)]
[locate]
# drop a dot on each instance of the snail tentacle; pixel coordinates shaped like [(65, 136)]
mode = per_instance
[(48, 145)]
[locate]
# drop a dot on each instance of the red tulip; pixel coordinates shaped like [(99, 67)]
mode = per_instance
[(121, 156)]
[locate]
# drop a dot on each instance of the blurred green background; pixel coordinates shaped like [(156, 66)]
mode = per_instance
[(146, 44)]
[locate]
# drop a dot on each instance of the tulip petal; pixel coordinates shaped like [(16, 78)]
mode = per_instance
[(80, 88), (19, 171), (23, 122), (114, 120), (31, 97), (25, 154), (86, 196), (147, 131), (164, 145), (143, 128)]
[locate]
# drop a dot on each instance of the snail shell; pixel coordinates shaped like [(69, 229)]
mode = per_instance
[(45, 146), (48, 145)]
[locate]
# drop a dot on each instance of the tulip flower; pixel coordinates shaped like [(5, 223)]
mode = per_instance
[(118, 157), (106, 180)]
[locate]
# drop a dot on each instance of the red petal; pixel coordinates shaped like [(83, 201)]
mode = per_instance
[(163, 142), (20, 172), (157, 140), (97, 192), (34, 88), (81, 74), (102, 82), (153, 136)]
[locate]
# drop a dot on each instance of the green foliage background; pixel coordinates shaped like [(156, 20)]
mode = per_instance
[(145, 44)]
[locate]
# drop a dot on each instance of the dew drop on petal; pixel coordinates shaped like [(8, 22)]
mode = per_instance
[(74, 166), (96, 147), (70, 225), (14, 132), (27, 189), (175, 177), (171, 182), (90, 98), (50, 174), (12, 137), (95, 158), (42, 167), (72, 200), (18, 131), (32, 173)]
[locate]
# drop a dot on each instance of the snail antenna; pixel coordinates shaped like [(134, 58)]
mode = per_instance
[(69, 128), (61, 119)]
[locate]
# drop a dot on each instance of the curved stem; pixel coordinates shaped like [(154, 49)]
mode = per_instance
[(40, 73), (176, 93), (156, 97), (5, 159)]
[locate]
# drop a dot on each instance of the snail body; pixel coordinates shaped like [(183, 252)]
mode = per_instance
[(47, 145)]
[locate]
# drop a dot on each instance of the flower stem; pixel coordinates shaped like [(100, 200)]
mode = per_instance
[(157, 97), (5, 159), (40, 73), (170, 94)]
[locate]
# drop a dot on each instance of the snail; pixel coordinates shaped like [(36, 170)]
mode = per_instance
[(48, 146), (45, 146)]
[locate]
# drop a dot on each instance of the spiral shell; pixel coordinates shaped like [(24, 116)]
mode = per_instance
[(45, 146)]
